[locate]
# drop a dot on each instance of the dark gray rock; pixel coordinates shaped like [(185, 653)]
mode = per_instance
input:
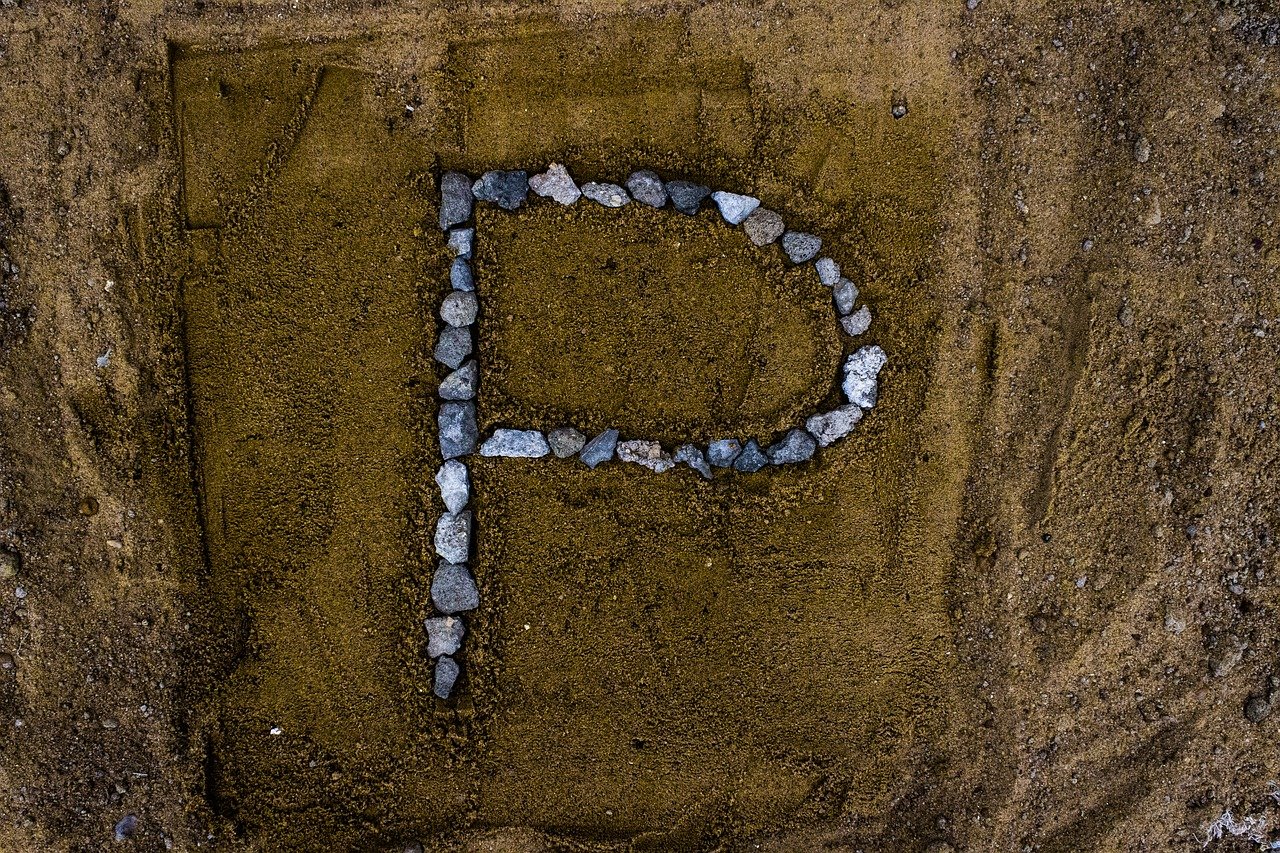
[(646, 453), (800, 246), (516, 443), (455, 485), (508, 190), (860, 372), (1257, 708), (857, 322), (459, 308), (722, 452), (455, 199), (565, 442), (453, 347), (444, 635), (609, 195), (828, 271), (796, 446), (830, 427), (763, 226), (845, 294), (751, 459), (461, 384), (458, 431), (647, 188), (556, 184), (460, 277), (691, 455), (446, 676), (461, 242), (599, 449), (899, 107), (687, 197), (453, 536), (453, 589), (734, 207)]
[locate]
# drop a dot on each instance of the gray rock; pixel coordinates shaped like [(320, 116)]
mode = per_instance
[(126, 827), (453, 589), (1257, 708), (599, 449), (691, 455), (751, 459), (830, 427), (845, 294), (857, 322), (610, 195), (687, 197), (460, 242), (860, 372), (647, 188), (508, 190), (461, 384), (455, 199), (460, 277), (458, 431), (763, 226), (444, 635), (828, 271), (722, 452), (899, 108), (516, 443), (733, 206), (455, 485), (453, 347), (1142, 149), (797, 446), (446, 677), (453, 536), (459, 308), (800, 246), (565, 442), (556, 184), (646, 453)]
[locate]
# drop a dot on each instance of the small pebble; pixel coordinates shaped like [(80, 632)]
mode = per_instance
[(687, 197), (830, 427), (444, 635), (845, 294), (751, 459), (10, 563), (899, 108), (610, 195), (460, 242), (126, 827), (459, 309), (453, 589), (455, 485), (508, 190), (647, 188), (458, 431), (828, 271), (453, 347), (6, 661), (1257, 709), (453, 536), (461, 384), (646, 453), (734, 207), (460, 277), (860, 372), (797, 446), (800, 246), (1142, 149), (565, 442), (556, 184), (516, 443), (110, 723), (722, 452), (599, 449), (857, 323), (446, 676), (763, 226), (455, 199), (691, 455)]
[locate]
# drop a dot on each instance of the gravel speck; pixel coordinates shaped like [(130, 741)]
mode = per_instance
[(453, 589), (459, 308), (801, 246), (461, 242), (733, 206), (599, 449), (453, 536), (1142, 149), (458, 431), (860, 372), (797, 446), (856, 323), (691, 455), (460, 277), (516, 443), (444, 635), (646, 453), (556, 184), (610, 195), (126, 827), (828, 271), (845, 294), (455, 485), (751, 459), (453, 347), (508, 190), (830, 427), (565, 442), (461, 384), (722, 452), (647, 188), (455, 199), (763, 226), (687, 197), (446, 676)]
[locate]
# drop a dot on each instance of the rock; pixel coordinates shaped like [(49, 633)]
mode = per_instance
[(647, 188), (899, 108), (453, 536), (10, 564), (565, 442), (444, 635), (722, 452), (446, 676), (455, 199), (1142, 149), (599, 449), (734, 207), (516, 443), (461, 384), (556, 185), (796, 446), (459, 308), (800, 246), (763, 226), (453, 347), (508, 190), (857, 322), (460, 277), (830, 427), (460, 242), (751, 459), (687, 197), (828, 271), (1257, 708), (1227, 653), (453, 589), (126, 827), (458, 431), (692, 456), (455, 485), (646, 453), (845, 294), (860, 372), (610, 195)]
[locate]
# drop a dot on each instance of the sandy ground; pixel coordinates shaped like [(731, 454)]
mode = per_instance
[(1029, 606)]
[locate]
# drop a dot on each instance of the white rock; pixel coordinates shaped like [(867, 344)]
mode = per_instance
[(459, 308), (857, 322), (860, 372), (646, 453), (845, 294), (734, 207), (830, 427), (517, 443), (453, 536), (556, 184), (455, 485), (828, 271), (460, 240)]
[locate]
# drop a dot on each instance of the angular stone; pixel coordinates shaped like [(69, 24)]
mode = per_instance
[(455, 199), (458, 431), (845, 294), (556, 184), (796, 446), (687, 197), (459, 308), (763, 226), (453, 347), (722, 452), (444, 635), (599, 449), (508, 190), (610, 195), (734, 207), (565, 442), (860, 372), (460, 242), (453, 536), (751, 459), (857, 322), (461, 384), (801, 247), (830, 427), (691, 455), (828, 271), (453, 589), (647, 188), (516, 443), (646, 453), (460, 277), (455, 485), (446, 676)]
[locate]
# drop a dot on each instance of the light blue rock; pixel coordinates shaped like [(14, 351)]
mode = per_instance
[(734, 207), (828, 271), (691, 455), (455, 485), (845, 294), (453, 536), (722, 452), (446, 676), (751, 459), (599, 449), (516, 443), (796, 446), (800, 246)]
